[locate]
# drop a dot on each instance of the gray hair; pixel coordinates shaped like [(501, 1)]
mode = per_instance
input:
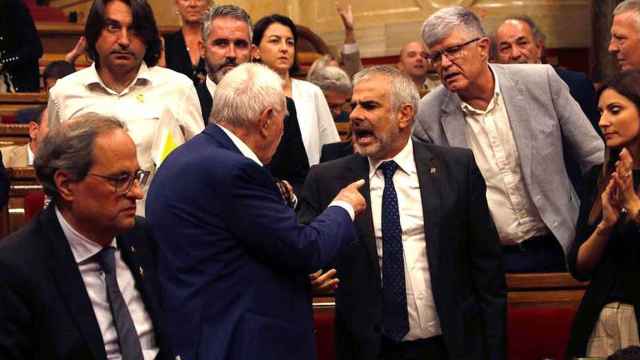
[(244, 93), (331, 78), (444, 21), (232, 11), (403, 89), (538, 35), (629, 5), (69, 147)]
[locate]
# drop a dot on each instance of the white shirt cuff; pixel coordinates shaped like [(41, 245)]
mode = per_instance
[(350, 48), (346, 206)]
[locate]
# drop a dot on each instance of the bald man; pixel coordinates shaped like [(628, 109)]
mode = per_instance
[(413, 62)]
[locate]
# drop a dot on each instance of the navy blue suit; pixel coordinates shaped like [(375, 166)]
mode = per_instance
[(233, 260)]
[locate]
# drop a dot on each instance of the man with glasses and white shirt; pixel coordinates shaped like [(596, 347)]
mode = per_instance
[(516, 119)]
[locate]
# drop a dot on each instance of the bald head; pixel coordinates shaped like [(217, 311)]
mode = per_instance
[(517, 43), (413, 61)]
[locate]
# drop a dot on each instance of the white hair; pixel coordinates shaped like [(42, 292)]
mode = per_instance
[(443, 22), (629, 6), (244, 93), (331, 78), (403, 90)]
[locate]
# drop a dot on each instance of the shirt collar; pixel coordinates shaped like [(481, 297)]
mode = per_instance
[(81, 247), (244, 148), (404, 159), (211, 86), (468, 109), (143, 77)]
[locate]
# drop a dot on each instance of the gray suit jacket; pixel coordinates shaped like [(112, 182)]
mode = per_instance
[(544, 118)]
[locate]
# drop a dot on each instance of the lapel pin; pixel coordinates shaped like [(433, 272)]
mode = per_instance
[(432, 171), (133, 249), (140, 98), (141, 271)]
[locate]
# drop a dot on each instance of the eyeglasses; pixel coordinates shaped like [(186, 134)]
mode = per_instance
[(122, 184), (452, 52)]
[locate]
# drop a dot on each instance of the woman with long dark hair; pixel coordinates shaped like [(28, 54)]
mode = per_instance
[(607, 246)]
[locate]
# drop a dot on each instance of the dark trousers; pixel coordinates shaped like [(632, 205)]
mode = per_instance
[(421, 349), (538, 254)]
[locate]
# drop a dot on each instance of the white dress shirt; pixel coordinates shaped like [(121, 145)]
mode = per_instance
[(423, 318), (155, 92), (84, 251), (488, 133), (314, 118)]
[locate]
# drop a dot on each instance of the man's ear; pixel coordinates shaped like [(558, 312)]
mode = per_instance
[(202, 47), (405, 116), (64, 184), (484, 44), (264, 121), (33, 130), (255, 53)]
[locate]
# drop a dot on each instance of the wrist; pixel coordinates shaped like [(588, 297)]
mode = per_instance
[(604, 229)]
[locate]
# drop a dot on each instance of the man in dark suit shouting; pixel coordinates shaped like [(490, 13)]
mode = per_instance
[(234, 262), (425, 279), (79, 281)]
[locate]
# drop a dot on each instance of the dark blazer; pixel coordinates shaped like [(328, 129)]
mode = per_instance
[(178, 59), (233, 260), (467, 279), (45, 310), (614, 278), (206, 101), (335, 151), (20, 46)]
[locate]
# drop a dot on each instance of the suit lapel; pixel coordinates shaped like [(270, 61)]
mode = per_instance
[(453, 122), (67, 277), (429, 175), (519, 115), (364, 222)]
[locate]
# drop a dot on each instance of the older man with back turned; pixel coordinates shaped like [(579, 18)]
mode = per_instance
[(425, 281), (516, 119), (79, 281), (233, 259)]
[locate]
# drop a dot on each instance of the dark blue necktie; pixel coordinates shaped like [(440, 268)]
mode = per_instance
[(394, 294), (127, 336)]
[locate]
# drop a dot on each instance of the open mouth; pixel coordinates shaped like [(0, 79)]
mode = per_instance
[(364, 136)]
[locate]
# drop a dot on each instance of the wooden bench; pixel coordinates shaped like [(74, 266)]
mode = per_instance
[(10, 104), (23, 181)]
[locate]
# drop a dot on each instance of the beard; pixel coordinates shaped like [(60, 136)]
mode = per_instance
[(218, 71)]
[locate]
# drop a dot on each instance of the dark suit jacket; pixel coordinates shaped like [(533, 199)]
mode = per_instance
[(178, 59), (45, 311), (335, 151), (582, 90), (206, 101), (233, 260), (20, 46), (463, 250)]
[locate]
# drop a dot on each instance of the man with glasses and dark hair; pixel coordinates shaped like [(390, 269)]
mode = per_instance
[(516, 119), (79, 281), (124, 81)]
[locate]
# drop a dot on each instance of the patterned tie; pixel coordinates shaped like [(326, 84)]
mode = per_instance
[(394, 294), (127, 336)]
